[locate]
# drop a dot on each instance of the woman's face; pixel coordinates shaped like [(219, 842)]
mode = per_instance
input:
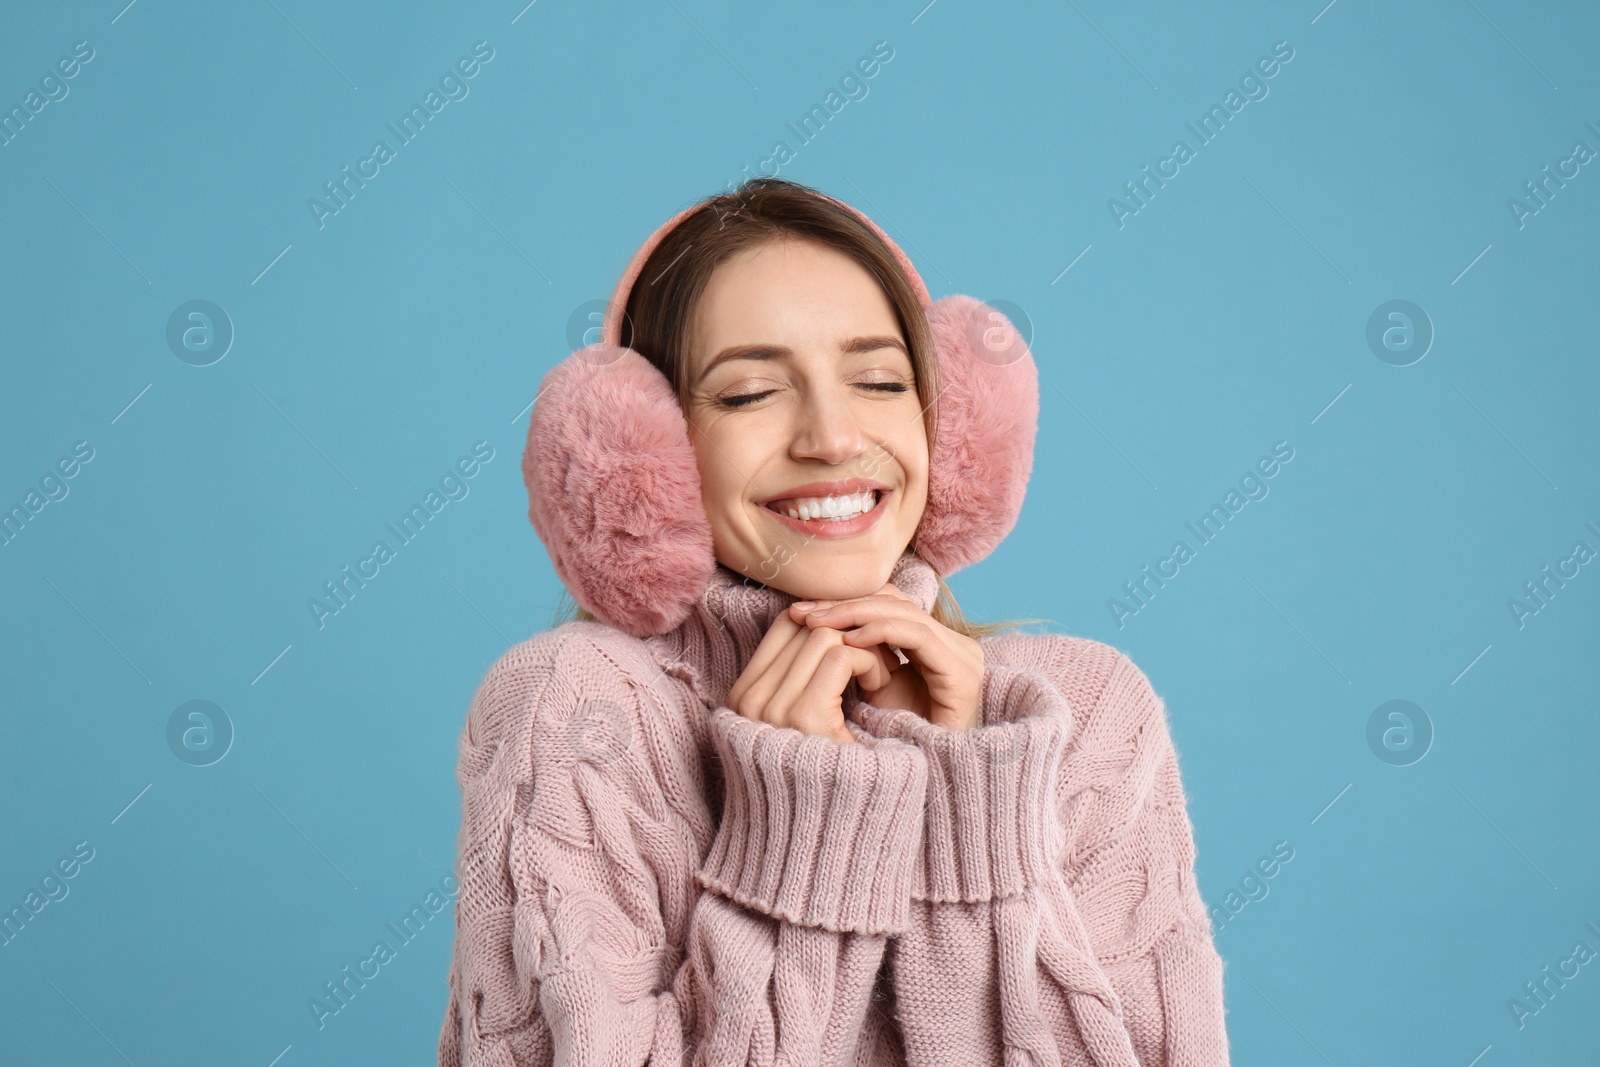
[(798, 373)]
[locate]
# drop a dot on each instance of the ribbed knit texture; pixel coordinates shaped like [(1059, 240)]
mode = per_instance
[(647, 876), (815, 832)]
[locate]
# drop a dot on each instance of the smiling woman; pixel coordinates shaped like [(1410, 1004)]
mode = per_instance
[(795, 343), (814, 790), (794, 366)]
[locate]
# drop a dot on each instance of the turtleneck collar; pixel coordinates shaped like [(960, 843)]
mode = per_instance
[(711, 647)]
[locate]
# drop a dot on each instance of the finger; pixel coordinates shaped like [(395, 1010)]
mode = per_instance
[(764, 674), (824, 647), (944, 654), (786, 687), (799, 608), (869, 670), (889, 663), (773, 645), (817, 708), (946, 660), (770, 646), (874, 680), (848, 613), (931, 655)]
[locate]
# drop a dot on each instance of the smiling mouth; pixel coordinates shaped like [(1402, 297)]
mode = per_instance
[(829, 509)]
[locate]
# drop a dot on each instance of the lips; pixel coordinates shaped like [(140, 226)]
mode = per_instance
[(827, 529), (839, 487)]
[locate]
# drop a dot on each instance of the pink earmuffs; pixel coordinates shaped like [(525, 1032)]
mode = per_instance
[(614, 488)]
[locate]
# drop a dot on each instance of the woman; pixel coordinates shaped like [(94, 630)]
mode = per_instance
[(768, 798)]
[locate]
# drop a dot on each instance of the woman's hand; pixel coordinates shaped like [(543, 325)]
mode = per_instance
[(798, 675), (944, 680)]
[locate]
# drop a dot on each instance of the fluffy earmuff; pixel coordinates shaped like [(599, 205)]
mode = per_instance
[(987, 419), (614, 490), (614, 486)]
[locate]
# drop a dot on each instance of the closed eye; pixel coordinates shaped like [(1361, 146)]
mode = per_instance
[(741, 401), (751, 398)]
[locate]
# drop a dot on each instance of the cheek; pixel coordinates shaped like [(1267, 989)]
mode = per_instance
[(915, 503), (722, 461), (911, 449)]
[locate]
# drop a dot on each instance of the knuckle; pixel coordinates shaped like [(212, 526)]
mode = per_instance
[(824, 635)]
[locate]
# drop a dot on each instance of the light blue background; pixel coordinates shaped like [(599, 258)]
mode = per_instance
[(1228, 314)]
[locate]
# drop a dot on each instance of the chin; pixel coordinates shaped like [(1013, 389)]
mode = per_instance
[(819, 569), (823, 579)]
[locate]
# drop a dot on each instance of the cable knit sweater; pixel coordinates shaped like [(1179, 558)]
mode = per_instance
[(647, 876)]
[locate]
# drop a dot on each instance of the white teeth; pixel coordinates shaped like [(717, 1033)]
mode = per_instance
[(832, 508)]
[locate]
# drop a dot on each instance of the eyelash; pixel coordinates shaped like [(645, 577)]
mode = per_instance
[(750, 398)]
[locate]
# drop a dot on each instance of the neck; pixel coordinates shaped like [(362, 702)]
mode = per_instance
[(712, 647)]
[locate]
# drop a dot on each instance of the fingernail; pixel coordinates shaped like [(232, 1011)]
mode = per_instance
[(819, 611), (805, 605)]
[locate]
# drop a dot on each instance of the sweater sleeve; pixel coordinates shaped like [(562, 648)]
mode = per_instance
[(1059, 867), (605, 917)]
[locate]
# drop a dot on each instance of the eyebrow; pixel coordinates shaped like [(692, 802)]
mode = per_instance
[(869, 343)]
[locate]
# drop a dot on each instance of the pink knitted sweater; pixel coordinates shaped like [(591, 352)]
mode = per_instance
[(647, 876)]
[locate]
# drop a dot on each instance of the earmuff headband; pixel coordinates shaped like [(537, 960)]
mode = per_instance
[(614, 485)]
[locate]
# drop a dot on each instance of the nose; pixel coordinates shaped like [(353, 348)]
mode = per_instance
[(829, 429)]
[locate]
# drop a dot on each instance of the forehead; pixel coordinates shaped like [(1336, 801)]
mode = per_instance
[(790, 292)]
